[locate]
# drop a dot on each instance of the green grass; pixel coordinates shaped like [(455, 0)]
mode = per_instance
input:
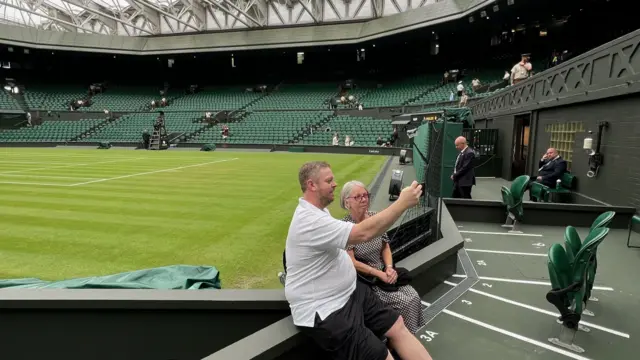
[(233, 214)]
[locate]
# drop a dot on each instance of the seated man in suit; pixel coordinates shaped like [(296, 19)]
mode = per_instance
[(551, 168)]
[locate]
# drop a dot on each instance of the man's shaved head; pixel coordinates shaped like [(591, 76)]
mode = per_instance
[(460, 142)]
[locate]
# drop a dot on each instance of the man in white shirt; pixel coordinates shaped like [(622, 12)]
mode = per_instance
[(460, 88), (342, 316)]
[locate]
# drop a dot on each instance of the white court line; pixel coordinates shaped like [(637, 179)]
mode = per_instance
[(48, 176), (505, 252), (149, 172), (70, 165), (543, 311), (512, 334), (529, 282), (497, 233), (30, 183)]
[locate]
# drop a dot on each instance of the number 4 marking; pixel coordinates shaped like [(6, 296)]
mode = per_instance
[(467, 302), (481, 263), (487, 285), (428, 335)]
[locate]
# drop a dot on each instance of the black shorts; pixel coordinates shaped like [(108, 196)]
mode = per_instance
[(355, 332)]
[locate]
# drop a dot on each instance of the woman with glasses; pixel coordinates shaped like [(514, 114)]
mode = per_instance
[(374, 259)]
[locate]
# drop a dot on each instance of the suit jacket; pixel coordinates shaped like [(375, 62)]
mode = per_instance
[(464, 174), (551, 170)]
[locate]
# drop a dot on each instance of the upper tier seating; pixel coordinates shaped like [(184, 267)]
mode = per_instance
[(279, 127), (120, 99), (397, 93), (55, 98), (307, 96), (363, 130), (53, 131), (129, 127), (214, 100), (7, 101)]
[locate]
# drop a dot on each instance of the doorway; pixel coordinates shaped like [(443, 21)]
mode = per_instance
[(521, 139)]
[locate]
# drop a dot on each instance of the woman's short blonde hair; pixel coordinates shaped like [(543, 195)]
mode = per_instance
[(346, 191)]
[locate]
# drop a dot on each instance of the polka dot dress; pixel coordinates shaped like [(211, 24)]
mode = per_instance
[(406, 300)]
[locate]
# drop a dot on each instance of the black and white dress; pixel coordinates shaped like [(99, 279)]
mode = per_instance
[(406, 300)]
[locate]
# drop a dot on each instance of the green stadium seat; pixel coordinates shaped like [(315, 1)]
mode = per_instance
[(635, 221), (544, 193), (512, 198), (573, 244), (569, 286)]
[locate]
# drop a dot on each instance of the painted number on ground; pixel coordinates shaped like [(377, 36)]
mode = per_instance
[(487, 285), (428, 335), (481, 263), (467, 302), (539, 245), (468, 240)]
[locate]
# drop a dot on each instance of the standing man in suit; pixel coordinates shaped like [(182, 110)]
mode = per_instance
[(463, 175), (550, 169)]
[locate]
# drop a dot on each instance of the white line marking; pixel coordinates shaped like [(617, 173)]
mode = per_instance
[(149, 172), (496, 233), (30, 183), (505, 252), (530, 282), (70, 165), (543, 311), (512, 334), (49, 176)]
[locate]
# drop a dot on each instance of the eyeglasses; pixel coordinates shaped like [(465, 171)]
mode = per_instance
[(360, 197)]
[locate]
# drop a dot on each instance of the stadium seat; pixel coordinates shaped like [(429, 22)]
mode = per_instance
[(569, 286), (546, 194), (512, 198), (573, 244)]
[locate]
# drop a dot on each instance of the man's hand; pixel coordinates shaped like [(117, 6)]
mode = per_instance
[(410, 195), (544, 157), (451, 177), (539, 178)]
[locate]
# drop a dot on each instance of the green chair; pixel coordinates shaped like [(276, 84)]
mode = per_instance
[(512, 198), (539, 192), (565, 186), (635, 220), (573, 244), (569, 286)]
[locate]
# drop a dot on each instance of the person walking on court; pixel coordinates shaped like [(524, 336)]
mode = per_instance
[(341, 315), (463, 175)]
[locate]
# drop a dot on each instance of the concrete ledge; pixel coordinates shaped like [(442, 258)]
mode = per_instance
[(549, 214)]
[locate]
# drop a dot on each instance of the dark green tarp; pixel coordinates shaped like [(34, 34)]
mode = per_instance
[(456, 114), (173, 277)]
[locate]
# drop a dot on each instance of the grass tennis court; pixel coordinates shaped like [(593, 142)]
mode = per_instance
[(75, 213)]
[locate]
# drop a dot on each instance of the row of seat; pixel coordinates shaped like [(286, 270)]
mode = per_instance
[(572, 272), (50, 131), (572, 268)]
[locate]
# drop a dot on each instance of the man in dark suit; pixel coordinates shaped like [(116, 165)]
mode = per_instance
[(463, 175), (550, 169)]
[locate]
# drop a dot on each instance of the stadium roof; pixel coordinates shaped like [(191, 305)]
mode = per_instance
[(157, 17)]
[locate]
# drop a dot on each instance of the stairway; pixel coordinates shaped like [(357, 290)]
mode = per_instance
[(98, 127), (409, 101), (20, 99)]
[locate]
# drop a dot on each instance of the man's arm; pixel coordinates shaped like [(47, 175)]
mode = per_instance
[(376, 225), (559, 168)]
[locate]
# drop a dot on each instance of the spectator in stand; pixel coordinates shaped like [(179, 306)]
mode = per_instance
[(336, 140), (460, 88), (463, 99), (347, 140), (380, 142), (341, 315), (475, 84), (520, 71)]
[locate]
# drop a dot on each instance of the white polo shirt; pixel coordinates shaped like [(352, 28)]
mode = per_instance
[(320, 275)]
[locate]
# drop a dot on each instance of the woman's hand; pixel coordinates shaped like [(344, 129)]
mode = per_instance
[(392, 275)]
